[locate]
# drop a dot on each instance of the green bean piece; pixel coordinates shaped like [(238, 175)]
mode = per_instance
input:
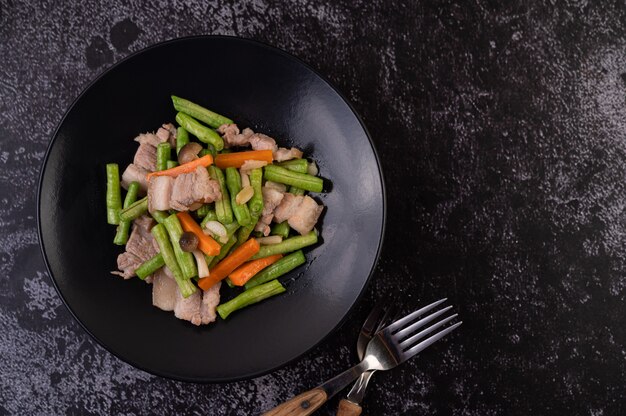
[(203, 133), (185, 259), (281, 229), (255, 204), (296, 165), (204, 210), (163, 154), (287, 246), (159, 216), (244, 232), (171, 164), (114, 194), (121, 236), (296, 191), (231, 228), (204, 152), (241, 211), (186, 287), (275, 270), (223, 208), (182, 138), (250, 297), (135, 210), (210, 216), (289, 177), (150, 266), (223, 251), (194, 110)]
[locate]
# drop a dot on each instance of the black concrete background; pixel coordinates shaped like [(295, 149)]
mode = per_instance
[(502, 131)]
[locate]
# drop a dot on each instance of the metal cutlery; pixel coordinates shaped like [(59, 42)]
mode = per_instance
[(388, 348)]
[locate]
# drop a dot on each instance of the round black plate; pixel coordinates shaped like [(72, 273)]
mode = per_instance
[(258, 86)]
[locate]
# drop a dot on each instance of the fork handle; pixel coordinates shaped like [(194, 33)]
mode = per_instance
[(347, 408), (302, 405)]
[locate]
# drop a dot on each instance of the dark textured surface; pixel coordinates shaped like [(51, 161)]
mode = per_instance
[(502, 131)]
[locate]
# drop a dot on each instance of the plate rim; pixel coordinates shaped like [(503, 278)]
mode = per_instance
[(210, 380)]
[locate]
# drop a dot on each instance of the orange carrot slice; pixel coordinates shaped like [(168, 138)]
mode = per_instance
[(230, 263), (246, 271), (237, 159)]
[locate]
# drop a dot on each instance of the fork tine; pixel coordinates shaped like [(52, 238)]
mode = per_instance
[(387, 317), (400, 322), (411, 340), (411, 328), (370, 322), (429, 341)]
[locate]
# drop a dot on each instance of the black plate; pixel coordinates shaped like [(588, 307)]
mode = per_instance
[(258, 86)]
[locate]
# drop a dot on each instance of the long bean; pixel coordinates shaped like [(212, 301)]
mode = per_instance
[(281, 229), (159, 216), (203, 210), (210, 216), (114, 194), (296, 191), (282, 266), (185, 259), (296, 165), (163, 155), (121, 236), (182, 138), (203, 133), (288, 177), (241, 211), (244, 232), (223, 251), (135, 210), (288, 245), (256, 202), (150, 266), (250, 297), (171, 164), (185, 286), (223, 208), (209, 117)]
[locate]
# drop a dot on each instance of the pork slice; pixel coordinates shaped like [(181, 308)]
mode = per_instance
[(159, 193), (287, 207), (210, 300), (145, 157), (127, 263), (260, 141), (140, 240), (305, 217), (283, 154), (167, 133), (134, 173), (150, 138), (262, 227), (188, 308), (271, 199), (164, 290), (194, 187), (232, 137)]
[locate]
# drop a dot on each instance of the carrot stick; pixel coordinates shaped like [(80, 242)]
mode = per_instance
[(237, 159), (206, 244), (247, 271), (205, 161), (230, 263)]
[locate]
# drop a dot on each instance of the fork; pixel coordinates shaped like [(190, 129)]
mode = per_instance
[(390, 347), (379, 317)]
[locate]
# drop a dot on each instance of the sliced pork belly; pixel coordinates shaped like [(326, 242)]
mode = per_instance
[(139, 248), (188, 309), (134, 173), (283, 154), (287, 207), (192, 188), (260, 141), (306, 215), (232, 137), (159, 192), (167, 133), (271, 199), (210, 300), (164, 290), (145, 157), (150, 138)]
